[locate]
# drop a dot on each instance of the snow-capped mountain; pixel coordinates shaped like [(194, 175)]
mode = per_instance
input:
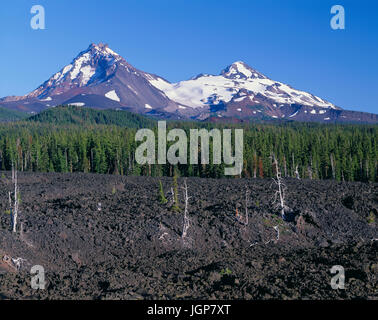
[(99, 77), (206, 90), (241, 93)]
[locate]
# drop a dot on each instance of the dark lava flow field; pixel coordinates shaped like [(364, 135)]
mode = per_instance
[(130, 246)]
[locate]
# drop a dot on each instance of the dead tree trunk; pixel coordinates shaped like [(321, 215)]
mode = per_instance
[(14, 212), (10, 208), (12, 173), (246, 206), (186, 217), (278, 232), (281, 188), (254, 165), (297, 173)]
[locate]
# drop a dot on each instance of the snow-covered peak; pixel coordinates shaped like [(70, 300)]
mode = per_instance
[(102, 50), (95, 64), (86, 64), (205, 90), (240, 70)]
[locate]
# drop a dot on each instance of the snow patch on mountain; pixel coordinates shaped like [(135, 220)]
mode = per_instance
[(47, 99), (132, 89), (197, 93), (77, 104), (87, 73), (294, 114), (78, 63), (112, 95)]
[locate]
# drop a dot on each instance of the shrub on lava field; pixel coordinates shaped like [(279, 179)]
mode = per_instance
[(226, 271), (371, 218)]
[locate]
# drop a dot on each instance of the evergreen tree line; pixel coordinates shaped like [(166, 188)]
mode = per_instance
[(63, 115), (315, 151)]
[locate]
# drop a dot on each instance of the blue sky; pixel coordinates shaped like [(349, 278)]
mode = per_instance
[(287, 40)]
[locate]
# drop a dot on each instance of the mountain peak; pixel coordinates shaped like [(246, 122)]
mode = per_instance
[(93, 65), (240, 70), (100, 49), (100, 45)]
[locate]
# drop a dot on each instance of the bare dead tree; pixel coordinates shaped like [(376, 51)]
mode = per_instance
[(16, 202), (186, 214), (278, 232), (254, 164), (280, 193), (246, 205), (297, 173), (10, 208), (12, 173), (10, 201)]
